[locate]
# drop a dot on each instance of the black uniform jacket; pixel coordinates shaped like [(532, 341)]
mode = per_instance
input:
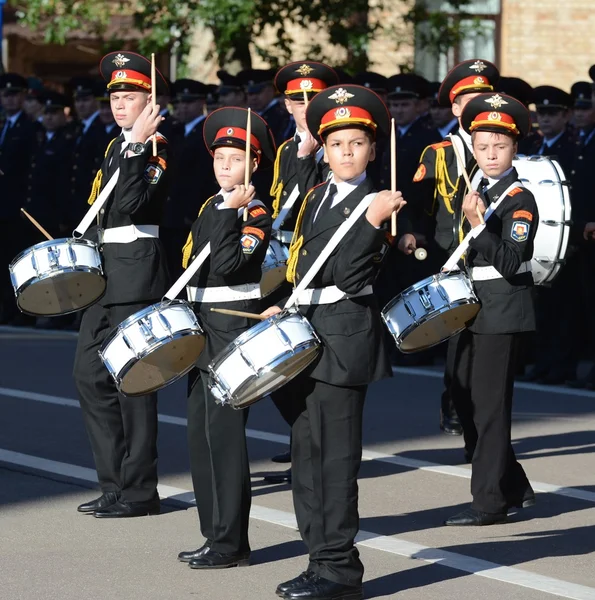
[(238, 249), (15, 158), (353, 340), (438, 193), (563, 150), (505, 243), (582, 192), (136, 272)]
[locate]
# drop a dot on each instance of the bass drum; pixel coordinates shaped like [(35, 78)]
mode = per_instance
[(544, 177)]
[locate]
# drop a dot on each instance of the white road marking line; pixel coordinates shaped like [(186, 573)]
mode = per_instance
[(376, 541), (401, 461), (521, 385)]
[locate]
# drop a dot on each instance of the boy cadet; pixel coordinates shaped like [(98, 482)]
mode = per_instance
[(327, 399), (229, 278), (499, 262), (123, 430), (440, 188)]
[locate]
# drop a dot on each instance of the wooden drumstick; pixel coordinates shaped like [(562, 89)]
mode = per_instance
[(305, 98), (47, 235), (421, 254), (393, 174), (238, 313), (247, 169), (466, 178), (154, 97)]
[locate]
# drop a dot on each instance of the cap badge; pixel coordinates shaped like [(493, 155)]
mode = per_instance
[(479, 80), (496, 101), (342, 113), (478, 66), (120, 60), (306, 84), (121, 75), (304, 70), (546, 101), (494, 116), (229, 131), (340, 96)]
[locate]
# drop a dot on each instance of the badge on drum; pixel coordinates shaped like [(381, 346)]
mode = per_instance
[(249, 243), (520, 231)]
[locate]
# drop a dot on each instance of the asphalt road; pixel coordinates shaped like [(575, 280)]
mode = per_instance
[(412, 478)]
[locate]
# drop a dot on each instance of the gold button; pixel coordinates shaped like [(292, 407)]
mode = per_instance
[(73, 179), (572, 172), (297, 275), (29, 199), (74, 167), (102, 211), (304, 253), (284, 193), (580, 158)]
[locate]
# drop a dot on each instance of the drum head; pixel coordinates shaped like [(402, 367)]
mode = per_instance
[(438, 328), (274, 377), (61, 293), (163, 366)]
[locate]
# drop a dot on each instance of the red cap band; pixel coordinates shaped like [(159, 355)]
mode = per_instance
[(470, 83), (347, 115), (239, 134), (494, 119), (131, 78), (304, 84)]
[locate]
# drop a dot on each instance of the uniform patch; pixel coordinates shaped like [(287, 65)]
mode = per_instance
[(159, 161), (257, 211), (519, 231), (522, 214), (441, 145), (152, 174), (515, 191), (249, 243), (259, 233), (379, 256), (420, 173)]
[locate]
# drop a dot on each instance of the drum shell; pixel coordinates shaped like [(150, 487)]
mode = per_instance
[(274, 267)]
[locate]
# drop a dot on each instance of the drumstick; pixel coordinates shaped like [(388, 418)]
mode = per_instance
[(393, 174), (47, 235), (421, 254), (305, 98), (154, 97), (247, 169), (238, 313), (466, 178)]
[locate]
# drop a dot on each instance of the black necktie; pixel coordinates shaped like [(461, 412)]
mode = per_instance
[(483, 190), (328, 199)]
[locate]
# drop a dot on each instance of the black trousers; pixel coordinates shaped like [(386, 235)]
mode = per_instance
[(482, 391), (220, 469), (326, 453), (122, 430), (447, 405)]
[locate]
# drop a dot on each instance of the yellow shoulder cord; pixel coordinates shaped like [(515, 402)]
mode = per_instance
[(98, 178), (443, 181), (296, 242), (187, 249), (277, 186)]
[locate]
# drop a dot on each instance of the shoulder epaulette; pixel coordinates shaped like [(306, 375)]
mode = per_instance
[(443, 144), (515, 191), (309, 193)]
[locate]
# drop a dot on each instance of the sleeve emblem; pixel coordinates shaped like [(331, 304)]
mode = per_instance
[(259, 233), (249, 243), (522, 214), (257, 211), (152, 173), (519, 231), (420, 173)]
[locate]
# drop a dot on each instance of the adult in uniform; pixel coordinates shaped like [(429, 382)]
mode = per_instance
[(106, 116), (373, 81), (327, 398), (442, 118), (91, 141), (435, 207), (17, 141), (521, 90), (230, 278), (231, 90), (123, 430), (192, 175), (499, 263)]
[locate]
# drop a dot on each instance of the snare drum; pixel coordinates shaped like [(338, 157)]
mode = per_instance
[(545, 179), (263, 359), (57, 277), (153, 348), (274, 267), (431, 311)]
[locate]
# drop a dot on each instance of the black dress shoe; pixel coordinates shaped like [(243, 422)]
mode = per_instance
[(103, 501), (526, 501), (319, 588), (450, 424), (216, 560), (287, 586), (192, 554), (121, 509), (470, 516), (283, 477), (284, 457)]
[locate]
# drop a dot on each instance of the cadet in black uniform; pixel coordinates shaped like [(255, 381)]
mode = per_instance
[(123, 430), (435, 207), (229, 278), (328, 398), (499, 263), (17, 141)]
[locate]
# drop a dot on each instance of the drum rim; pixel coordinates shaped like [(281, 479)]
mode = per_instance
[(315, 343), (55, 242)]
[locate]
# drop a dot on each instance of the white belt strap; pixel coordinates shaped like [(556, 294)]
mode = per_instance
[(189, 273), (489, 273), (128, 233), (328, 249), (93, 211), (286, 208), (329, 295), (246, 291), (451, 263)]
